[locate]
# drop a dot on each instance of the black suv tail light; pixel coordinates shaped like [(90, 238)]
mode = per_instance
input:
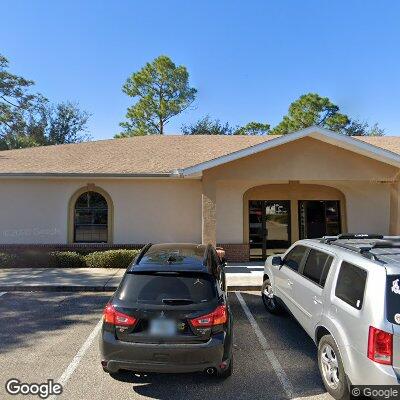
[(114, 317)]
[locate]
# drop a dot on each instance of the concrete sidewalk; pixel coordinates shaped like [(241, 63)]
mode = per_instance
[(239, 277)]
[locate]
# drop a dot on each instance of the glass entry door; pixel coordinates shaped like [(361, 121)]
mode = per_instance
[(269, 227), (318, 218)]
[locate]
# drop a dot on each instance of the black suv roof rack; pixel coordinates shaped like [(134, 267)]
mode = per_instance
[(367, 243)]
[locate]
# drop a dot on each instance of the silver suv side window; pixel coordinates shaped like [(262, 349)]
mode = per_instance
[(350, 285), (295, 257), (317, 266)]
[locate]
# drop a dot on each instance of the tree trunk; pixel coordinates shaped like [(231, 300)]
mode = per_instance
[(161, 126)]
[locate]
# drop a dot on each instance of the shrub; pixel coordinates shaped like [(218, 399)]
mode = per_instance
[(6, 260), (110, 258), (29, 259), (66, 259)]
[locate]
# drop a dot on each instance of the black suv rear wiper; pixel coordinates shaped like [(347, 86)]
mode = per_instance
[(177, 302)]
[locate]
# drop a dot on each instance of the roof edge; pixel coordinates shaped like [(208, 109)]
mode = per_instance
[(316, 132), (173, 174)]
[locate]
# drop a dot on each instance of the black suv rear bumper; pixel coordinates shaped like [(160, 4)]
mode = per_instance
[(169, 358)]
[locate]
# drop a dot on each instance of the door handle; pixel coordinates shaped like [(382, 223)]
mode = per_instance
[(317, 300), (289, 282)]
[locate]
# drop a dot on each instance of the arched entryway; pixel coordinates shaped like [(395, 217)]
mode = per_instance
[(277, 215)]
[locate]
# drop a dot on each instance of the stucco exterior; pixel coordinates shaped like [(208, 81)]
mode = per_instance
[(211, 206), (360, 199), (365, 184), (36, 211)]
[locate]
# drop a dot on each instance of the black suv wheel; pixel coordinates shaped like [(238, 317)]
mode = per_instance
[(226, 373)]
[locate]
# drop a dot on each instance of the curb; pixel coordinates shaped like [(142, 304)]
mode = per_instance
[(61, 288)]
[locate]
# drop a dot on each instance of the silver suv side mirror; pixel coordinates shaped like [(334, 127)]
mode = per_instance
[(277, 261)]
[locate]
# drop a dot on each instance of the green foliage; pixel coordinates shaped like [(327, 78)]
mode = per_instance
[(13, 94), (31, 258), (110, 258), (207, 126), (312, 109), (28, 120), (362, 128), (66, 124), (7, 260), (253, 128), (162, 91), (66, 259)]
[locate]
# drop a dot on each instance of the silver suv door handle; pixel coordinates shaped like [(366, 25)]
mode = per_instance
[(289, 282), (317, 300)]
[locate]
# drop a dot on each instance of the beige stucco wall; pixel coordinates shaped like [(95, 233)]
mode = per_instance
[(367, 207), (307, 161), (36, 211), (304, 159)]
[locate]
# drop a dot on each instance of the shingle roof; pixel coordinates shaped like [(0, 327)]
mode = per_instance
[(138, 155)]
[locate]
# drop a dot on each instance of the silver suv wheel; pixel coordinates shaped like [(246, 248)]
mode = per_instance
[(269, 299), (330, 366)]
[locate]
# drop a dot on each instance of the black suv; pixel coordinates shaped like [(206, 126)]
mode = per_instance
[(170, 314)]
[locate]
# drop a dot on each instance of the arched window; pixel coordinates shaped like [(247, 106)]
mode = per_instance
[(91, 218)]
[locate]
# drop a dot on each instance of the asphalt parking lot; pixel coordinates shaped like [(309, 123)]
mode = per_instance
[(54, 336)]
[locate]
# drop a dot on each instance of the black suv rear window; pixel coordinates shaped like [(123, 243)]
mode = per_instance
[(167, 289), (184, 254), (350, 284), (393, 299)]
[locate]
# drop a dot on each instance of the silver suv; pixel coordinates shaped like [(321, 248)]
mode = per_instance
[(345, 292)]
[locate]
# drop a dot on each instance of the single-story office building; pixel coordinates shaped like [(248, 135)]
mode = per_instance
[(252, 195)]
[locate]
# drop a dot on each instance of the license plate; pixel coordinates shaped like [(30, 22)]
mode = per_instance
[(163, 327)]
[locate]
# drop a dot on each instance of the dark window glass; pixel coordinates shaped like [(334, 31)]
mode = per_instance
[(350, 284), (294, 258), (325, 272), (332, 216), (318, 218), (91, 216), (393, 298), (139, 288), (315, 266), (184, 254)]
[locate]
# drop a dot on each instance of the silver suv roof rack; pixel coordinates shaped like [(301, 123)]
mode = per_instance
[(367, 242)]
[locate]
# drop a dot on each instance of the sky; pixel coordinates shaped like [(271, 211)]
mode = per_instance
[(248, 59)]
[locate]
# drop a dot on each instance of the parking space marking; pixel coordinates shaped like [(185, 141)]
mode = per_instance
[(280, 373), (2, 293), (77, 359)]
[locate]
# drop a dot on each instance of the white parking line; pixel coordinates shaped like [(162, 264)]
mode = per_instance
[(280, 373), (2, 293), (77, 359)]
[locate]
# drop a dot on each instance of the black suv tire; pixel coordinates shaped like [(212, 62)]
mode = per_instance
[(226, 373)]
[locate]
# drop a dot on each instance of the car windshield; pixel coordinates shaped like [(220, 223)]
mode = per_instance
[(167, 289), (393, 299)]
